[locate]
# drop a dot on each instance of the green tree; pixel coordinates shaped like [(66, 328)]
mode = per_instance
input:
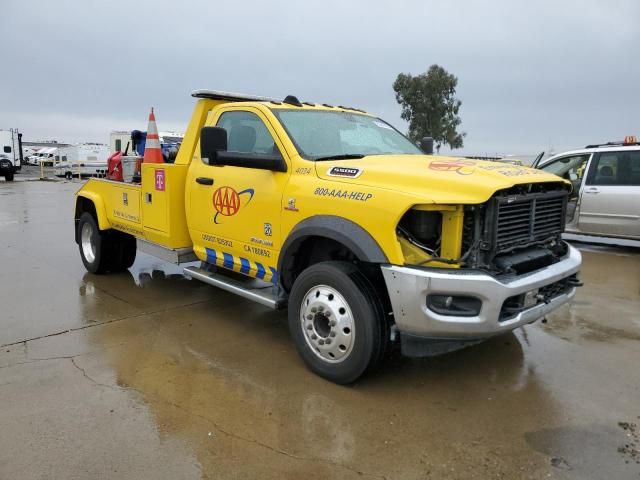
[(429, 105)]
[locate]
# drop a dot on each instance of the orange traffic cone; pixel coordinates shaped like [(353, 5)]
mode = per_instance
[(152, 151)]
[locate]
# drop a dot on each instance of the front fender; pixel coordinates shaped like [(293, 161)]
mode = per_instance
[(340, 229)]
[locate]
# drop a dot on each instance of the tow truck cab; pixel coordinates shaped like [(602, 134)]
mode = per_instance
[(333, 213)]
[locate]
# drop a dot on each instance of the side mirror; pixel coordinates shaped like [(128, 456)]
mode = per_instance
[(260, 161), (213, 151), (212, 141), (426, 145)]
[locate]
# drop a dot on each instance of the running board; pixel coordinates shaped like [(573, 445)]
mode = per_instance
[(177, 256), (260, 292)]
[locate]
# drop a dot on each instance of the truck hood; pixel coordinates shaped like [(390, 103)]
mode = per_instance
[(432, 178)]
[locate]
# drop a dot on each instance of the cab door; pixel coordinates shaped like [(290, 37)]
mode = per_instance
[(610, 202), (572, 168), (236, 211)]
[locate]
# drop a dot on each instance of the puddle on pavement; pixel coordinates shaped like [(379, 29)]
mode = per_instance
[(607, 307), (585, 450), (221, 374), (224, 377)]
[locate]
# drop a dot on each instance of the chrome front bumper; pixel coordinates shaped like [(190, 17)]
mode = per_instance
[(409, 287)]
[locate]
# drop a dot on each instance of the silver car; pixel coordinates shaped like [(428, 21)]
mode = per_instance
[(606, 188)]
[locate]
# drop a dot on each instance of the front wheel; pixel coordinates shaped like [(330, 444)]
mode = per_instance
[(337, 321)]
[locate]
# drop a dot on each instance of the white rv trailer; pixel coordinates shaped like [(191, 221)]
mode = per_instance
[(80, 152), (10, 153), (85, 160), (118, 140)]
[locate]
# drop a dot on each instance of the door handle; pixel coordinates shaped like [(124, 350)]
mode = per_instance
[(592, 190), (204, 180)]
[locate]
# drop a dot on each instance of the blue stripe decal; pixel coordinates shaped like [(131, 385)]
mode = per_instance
[(245, 266), (228, 260), (274, 275)]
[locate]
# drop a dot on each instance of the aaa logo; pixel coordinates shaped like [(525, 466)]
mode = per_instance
[(227, 201), (461, 167)]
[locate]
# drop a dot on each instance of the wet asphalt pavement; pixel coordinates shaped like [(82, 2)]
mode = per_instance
[(150, 375)]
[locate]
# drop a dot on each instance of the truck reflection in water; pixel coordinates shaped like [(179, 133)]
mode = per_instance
[(220, 374)]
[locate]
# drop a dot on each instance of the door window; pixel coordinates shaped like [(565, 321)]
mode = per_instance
[(7, 149), (570, 168), (620, 168), (246, 133)]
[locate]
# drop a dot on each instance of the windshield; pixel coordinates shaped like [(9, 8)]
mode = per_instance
[(320, 134)]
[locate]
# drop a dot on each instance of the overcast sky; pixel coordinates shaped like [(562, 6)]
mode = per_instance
[(531, 73)]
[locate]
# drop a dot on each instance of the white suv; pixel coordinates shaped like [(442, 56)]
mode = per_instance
[(606, 188)]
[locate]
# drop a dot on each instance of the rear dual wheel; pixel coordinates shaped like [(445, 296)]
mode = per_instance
[(104, 250), (337, 321), (9, 177)]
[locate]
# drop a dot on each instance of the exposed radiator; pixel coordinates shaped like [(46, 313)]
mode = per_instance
[(522, 219)]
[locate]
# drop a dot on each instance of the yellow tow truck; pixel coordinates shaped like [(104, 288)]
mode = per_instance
[(369, 240)]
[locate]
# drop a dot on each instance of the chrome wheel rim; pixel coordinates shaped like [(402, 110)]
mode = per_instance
[(86, 240), (327, 324)]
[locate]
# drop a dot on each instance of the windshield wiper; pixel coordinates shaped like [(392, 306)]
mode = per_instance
[(343, 156)]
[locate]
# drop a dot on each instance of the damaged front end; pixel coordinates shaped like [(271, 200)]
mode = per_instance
[(517, 231), (500, 264)]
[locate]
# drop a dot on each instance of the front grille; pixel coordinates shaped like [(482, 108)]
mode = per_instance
[(517, 230), (522, 219)]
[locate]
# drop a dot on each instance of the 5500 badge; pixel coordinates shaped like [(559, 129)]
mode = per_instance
[(349, 172)]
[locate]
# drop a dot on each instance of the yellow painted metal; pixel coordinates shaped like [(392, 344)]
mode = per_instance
[(413, 255), (267, 205), (240, 213), (155, 208), (451, 248), (163, 210), (435, 208), (117, 204), (192, 134)]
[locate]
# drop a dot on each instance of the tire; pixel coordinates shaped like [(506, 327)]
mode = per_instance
[(93, 245), (9, 177), (104, 251), (126, 249), (335, 303)]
